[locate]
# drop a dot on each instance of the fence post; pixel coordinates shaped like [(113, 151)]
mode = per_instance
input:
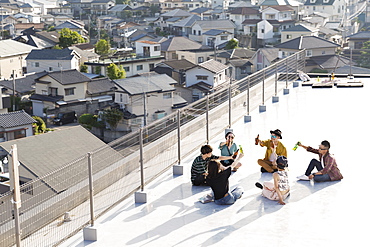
[(14, 187), (230, 104), (141, 196), (296, 83), (286, 89), (207, 118), (275, 98), (262, 107), (90, 233), (178, 169), (248, 118)]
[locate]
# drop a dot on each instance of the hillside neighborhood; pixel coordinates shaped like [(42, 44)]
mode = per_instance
[(94, 56)]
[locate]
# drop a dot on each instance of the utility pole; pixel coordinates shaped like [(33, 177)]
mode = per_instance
[(13, 89)]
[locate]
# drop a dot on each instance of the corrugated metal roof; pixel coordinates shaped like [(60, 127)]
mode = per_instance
[(11, 48)]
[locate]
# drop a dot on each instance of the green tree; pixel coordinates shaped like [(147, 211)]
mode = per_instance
[(69, 37), (115, 72), (40, 126), (232, 44), (102, 47), (112, 117), (83, 68), (364, 59)]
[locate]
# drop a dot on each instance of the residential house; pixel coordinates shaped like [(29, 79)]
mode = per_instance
[(297, 31), (15, 125), (60, 10), (274, 20), (5, 102), (238, 61), (320, 53), (23, 87), (144, 99), (200, 27), (59, 148), (264, 57), (183, 27), (118, 10), (196, 56), (205, 77), (73, 26), (216, 37), (144, 61), (168, 5), (12, 58), (52, 60), (30, 8), (356, 42), (19, 27), (101, 7), (335, 8), (170, 47), (60, 19), (40, 41), (203, 12), (175, 69), (176, 13), (239, 15), (69, 90)]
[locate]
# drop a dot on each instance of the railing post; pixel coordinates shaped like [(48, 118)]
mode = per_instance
[(90, 233), (275, 98), (178, 169), (14, 187), (141, 196), (248, 118), (262, 107), (207, 118), (230, 104), (286, 89)]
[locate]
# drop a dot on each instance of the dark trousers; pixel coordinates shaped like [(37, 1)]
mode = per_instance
[(313, 164), (318, 178), (199, 180)]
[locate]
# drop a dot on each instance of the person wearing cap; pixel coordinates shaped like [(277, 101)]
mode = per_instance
[(327, 169), (274, 148), (279, 189), (228, 148)]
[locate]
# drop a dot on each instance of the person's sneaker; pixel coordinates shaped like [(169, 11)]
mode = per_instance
[(303, 177), (259, 185)]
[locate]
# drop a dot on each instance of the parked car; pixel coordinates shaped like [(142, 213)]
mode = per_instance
[(65, 117)]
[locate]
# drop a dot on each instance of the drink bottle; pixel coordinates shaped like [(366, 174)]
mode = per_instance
[(296, 146), (235, 154), (256, 139), (241, 149)]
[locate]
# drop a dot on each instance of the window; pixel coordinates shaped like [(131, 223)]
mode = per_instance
[(223, 37), (37, 64), (54, 91), (157, 48), (151, 66), (19, 134), (50, 68), (200, 59), (69, 91), (139, 67), (167, 95), (174, 56), (243, 70), (127, 68), (308, 53), (44, 92), (202, 77), (288, 36)]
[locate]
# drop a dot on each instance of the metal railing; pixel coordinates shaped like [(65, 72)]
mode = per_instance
[(116, 167)]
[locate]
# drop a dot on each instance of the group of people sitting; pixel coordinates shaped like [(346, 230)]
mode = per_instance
[(214, 171)]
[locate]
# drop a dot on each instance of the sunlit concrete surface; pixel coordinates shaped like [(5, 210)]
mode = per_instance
[(316, 214)]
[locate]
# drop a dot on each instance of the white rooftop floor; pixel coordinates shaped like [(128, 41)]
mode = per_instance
[(316, 214)]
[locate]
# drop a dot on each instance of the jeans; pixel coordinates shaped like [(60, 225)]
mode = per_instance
[(232, 196), (318, 178)]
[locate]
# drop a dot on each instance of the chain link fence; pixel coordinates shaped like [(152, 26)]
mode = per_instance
[(56, 206)]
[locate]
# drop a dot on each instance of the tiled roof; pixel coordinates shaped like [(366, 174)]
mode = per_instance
[(100, 85), (178, 64), (51, 54), (14, 119), (66, 77), (214, 32), (23, 85), (306, 42), (179, 44), (213, 66)]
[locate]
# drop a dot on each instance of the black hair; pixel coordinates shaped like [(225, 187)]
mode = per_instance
[(205, 149), (326, 144), (282, 162), (228, 133), (213, 166)]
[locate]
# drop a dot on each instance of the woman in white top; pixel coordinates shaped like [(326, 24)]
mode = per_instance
[(279, 189)]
